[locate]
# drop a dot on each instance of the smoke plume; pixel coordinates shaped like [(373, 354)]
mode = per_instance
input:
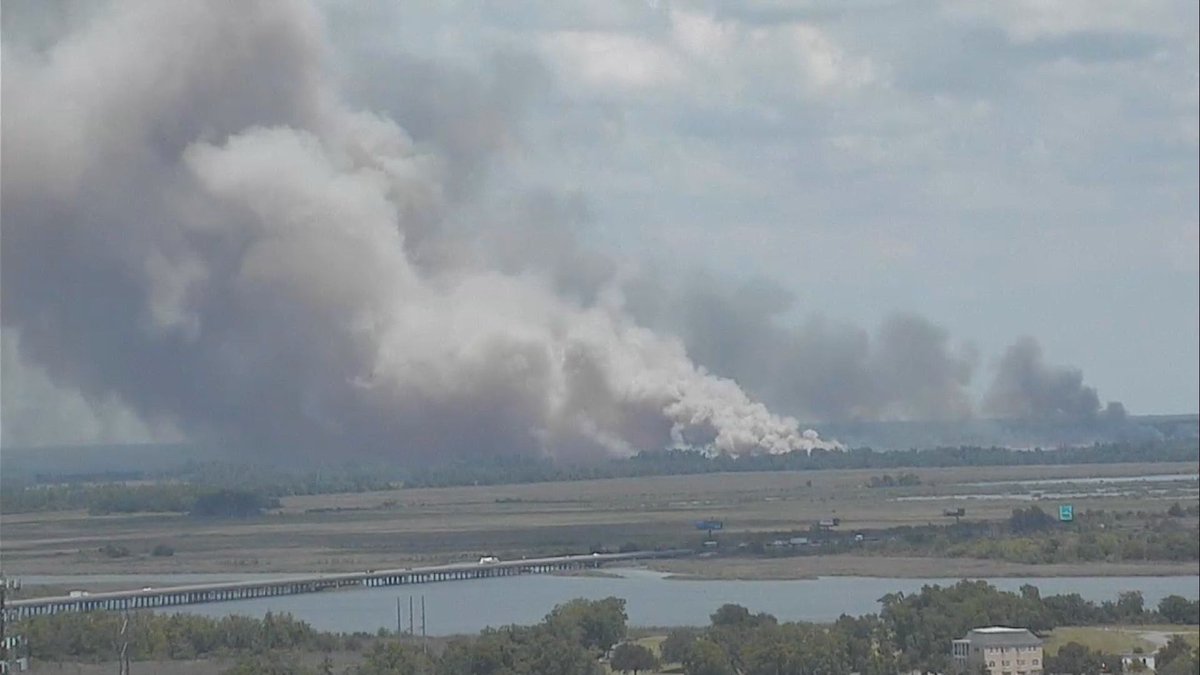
[(817, 369), (207, 234), (197, 223), (1026, 387)]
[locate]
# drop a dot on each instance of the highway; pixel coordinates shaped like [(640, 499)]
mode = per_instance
[(153, 598)]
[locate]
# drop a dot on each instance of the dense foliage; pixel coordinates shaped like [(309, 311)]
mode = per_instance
[(93, 636), (168, 497), (501, 470), (912, 631)]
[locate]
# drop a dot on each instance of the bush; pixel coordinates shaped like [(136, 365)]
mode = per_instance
[(231, 504), (114, 551), (678, 644), (162, 551), (630, 656)]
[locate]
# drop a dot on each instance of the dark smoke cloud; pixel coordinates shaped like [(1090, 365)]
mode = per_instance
[(817, 369), (38, 411), (197, 223), (1026, 387)]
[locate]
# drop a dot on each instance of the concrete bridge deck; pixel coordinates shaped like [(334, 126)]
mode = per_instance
[(153, 598)]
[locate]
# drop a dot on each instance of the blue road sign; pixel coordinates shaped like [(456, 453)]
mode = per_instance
[(1066, 513)]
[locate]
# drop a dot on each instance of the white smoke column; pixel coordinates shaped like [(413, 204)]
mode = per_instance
[(196, 223)]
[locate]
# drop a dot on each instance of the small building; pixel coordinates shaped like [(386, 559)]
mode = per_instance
[(999, 651), (1137, 663)]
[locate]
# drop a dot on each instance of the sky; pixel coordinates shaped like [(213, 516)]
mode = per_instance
[(1003, 168), (877, 210)]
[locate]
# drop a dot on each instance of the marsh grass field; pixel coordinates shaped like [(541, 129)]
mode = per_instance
[(404, 527)]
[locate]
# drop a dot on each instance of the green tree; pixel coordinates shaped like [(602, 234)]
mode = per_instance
[(597, 624), (231, 504), (678, 643), (518, 650), (630, 656), (707, 658), (1184, 665), (1130, 605), (730, 615), (1177, 648), (1178, 609), (1074, 659), (394, 658)]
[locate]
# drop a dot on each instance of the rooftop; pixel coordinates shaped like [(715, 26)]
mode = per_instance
[(1000, 636)]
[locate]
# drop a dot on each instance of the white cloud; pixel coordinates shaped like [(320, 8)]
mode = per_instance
[(1027, 20), (611, 60)]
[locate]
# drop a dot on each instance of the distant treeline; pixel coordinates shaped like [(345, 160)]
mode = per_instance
[(176, 491), (504, 470), (198, 500)]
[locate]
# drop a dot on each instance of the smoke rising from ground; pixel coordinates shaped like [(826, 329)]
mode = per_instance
[(1026, 387), (818, 369), (196, 223), (199, 226)]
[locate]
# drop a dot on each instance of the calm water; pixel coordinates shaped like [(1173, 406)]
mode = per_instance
[(470, 606)]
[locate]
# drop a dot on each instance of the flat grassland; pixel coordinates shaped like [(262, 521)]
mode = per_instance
[(347, 532), (1119, 639)]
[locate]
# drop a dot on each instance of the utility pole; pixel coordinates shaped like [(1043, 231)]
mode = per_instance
[(411, 632), (123, 655), (399, 625), (424, 643), (9, 643)]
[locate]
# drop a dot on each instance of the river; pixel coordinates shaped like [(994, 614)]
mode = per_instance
[(652, 600)]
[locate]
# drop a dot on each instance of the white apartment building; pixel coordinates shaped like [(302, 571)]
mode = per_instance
[(997, 650)]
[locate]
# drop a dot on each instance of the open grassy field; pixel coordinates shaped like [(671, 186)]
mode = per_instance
[(1120, 639), (347, 532)]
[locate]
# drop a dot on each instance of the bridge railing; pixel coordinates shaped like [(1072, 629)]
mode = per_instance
[(153, 598)]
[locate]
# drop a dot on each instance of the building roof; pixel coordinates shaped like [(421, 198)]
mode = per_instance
[(1000, 636)]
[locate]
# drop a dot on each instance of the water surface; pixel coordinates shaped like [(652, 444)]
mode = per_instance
[(652, 600)]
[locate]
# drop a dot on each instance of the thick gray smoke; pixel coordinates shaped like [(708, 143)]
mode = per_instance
[(196, 222), (38, 412), (821, 370), (1026, 387), (203, 235)]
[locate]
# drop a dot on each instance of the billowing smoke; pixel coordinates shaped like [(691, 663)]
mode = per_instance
[(1026, 387), (197, 223), (818, 369), (39, 412)]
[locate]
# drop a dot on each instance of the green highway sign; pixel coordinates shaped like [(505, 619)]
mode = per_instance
[(1066, 513)]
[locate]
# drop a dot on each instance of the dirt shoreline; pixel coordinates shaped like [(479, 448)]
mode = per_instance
[(781, 569)]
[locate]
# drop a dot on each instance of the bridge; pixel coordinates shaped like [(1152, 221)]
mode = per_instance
[(154, 598)]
